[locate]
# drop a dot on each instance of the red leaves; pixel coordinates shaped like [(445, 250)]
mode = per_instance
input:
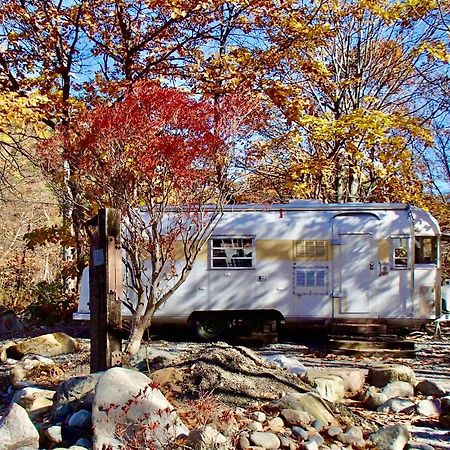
[(154, 141)]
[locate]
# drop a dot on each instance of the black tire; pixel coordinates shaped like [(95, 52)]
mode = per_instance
[(211, 328)]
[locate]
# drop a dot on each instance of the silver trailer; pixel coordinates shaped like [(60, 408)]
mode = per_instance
[(306, 263)]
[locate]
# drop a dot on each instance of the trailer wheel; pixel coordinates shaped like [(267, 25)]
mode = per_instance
[(210, 328)]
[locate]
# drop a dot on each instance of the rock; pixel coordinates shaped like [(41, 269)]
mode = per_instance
[(206, 438), (391, 438), (309, 402), (397, 405), (317, 438), (70, 435), (53, 434), (259, 416), (287, 442), (429, 407), (379, 376), (445, 404), (81, 419), (33, 368), (168, 377), (74, 394), (132, 401), (309, 445), (334, 431), (398, 389), (45, 345), (243, 442), (291, 364), (34, 400), (427, 388), (353, 379), (329, 387), (9, 321), (276, 424), (265, 440), (444, 420), (417, 446), (352, 436), (84, 443), (300, 432), (295, 417), (373, 399), (255, 426), (17, 431), (318, 425)]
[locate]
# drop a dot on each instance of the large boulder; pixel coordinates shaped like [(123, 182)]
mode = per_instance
[(381, 375), (126, 405), (391, 438), (17, 431), (354, 379), (46, 345), (309, 402)]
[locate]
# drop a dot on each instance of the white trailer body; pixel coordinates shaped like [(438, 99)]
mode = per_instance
[(308, 262)]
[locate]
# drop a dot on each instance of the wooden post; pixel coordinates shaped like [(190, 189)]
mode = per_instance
[(105, 287)]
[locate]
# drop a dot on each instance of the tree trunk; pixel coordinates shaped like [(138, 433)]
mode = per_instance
[(134, 341)]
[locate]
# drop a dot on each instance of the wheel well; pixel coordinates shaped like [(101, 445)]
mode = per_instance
[(239, 314)]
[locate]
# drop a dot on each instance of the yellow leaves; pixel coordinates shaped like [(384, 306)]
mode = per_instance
[(436, 50)]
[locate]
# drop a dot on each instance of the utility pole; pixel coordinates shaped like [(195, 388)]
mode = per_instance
[(105, 291)]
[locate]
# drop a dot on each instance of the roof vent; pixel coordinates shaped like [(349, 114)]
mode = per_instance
[(305, 201)]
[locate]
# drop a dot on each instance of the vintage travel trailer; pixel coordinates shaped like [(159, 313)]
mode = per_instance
[(305, 262)]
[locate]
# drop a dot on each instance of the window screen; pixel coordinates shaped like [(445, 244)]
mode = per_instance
[(426, 250), (311, 280), (232, 252), (311, 249), (400, 252)]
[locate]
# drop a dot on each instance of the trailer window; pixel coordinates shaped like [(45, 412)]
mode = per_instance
[(232, 252), (400, 252), (426, 250), (311, 249), (311, 280)]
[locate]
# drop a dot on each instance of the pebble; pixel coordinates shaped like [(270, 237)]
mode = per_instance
[(255, 426), (276, 424), (265, 439), (259, 416), (334, 431), (300, 432), (295, 417)]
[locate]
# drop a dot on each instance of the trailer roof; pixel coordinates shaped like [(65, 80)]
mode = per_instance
[(314, 205)]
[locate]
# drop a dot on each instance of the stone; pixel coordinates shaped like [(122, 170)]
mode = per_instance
[(334, 431), (294, 417), (81, 419), (397, 405), (255, 426), (30, 367), (373, 399), (309, 445), (427, 388), (291, 364), (70, 435), (318, 425), (167, 377), (398, 389), (444, 420), (53, 434), (445, 404), (9, 322), (317, 438), (243, 442), (34, 400), (265, 439), (17, 430), (46, 345), (417, 446), (393, 437), (430, 407), (205, 438), (379, 376), (83, 442), (300, 432), (329, 387), (259, 416), (136, 402), (352, 436), (309, 402), (74, 394), (287, 442), (276, 424)]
